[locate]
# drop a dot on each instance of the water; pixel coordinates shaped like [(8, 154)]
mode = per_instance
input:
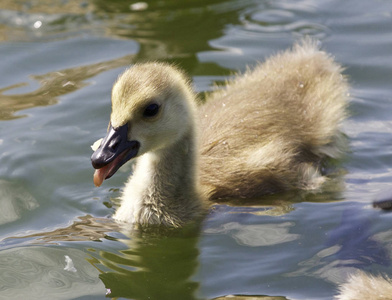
[(59, 61)]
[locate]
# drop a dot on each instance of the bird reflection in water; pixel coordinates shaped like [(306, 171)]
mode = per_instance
[(155, 263), (149, 263)]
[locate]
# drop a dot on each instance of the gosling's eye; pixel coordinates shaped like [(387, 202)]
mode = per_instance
[(151, 110)]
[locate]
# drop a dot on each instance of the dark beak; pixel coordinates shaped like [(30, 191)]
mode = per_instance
[(114, 151)]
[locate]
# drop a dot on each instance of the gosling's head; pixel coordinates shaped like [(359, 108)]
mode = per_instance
[(152, 107)]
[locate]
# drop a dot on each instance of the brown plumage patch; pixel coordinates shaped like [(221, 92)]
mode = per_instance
[(269, 128)]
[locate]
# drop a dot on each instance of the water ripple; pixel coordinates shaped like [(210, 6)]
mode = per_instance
[(282, 20), (52, 85), (257, 235), (36, 272), (23, 21), (15, 199)]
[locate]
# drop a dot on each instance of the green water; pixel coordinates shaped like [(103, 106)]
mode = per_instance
[(59, 61)]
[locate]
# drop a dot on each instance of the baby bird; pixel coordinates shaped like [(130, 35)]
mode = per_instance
[(267, 131)]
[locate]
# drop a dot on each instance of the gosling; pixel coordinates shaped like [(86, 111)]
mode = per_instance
[(267, 131)]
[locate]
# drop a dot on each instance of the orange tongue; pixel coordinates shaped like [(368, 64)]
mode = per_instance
[(101, 174)]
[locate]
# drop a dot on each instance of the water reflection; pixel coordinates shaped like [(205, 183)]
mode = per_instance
[(38, 272), (160, 28), (250, 297), (155, 266), (52, 86), (257, 235), (25, 20), (86, 228), (153, 28), (350, 246), (154, 263), (149, 263), (284, 17), (14, 200)]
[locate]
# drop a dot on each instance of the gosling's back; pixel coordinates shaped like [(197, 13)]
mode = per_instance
[(268, 130)]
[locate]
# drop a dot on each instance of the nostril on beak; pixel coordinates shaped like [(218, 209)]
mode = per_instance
[(114, 144)]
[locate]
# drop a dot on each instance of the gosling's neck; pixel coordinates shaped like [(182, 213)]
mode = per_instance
[(163, 188)]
